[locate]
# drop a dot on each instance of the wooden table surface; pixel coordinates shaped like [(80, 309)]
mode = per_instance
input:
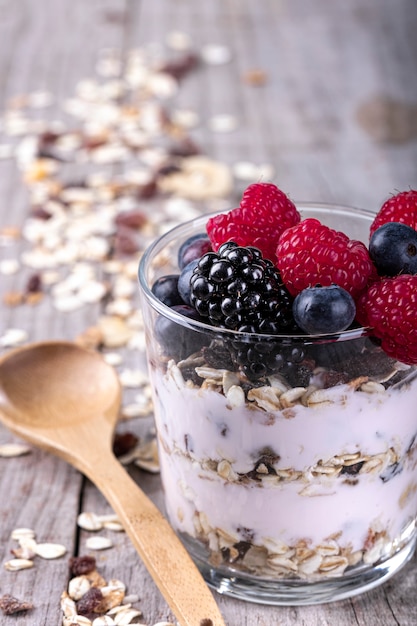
[(320, 98)]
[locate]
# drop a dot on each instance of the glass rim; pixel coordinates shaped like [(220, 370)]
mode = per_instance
[(235, 335)]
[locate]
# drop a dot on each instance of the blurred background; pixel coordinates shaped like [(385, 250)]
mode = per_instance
[(318, 97)]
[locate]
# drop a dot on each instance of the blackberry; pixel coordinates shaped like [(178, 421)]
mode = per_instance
[(260, 359), (236, 288)]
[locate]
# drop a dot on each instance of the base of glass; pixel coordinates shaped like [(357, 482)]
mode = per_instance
[(299, 592)]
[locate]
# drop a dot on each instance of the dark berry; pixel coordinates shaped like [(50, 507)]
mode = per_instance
[(82, 565), (238, 289), (258, 359), (90, 601), (320, 310), (193, 248), (393, 249), (177, 340), (184, 281), (165, 289)]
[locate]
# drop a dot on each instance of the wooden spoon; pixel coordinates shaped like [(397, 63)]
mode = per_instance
[(66, 399)]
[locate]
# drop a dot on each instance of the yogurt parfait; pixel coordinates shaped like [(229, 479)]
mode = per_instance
[(282, 351)]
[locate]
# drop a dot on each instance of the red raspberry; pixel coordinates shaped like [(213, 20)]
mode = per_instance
[(400, 208), (311, 253), (263, 215), (390, 308)]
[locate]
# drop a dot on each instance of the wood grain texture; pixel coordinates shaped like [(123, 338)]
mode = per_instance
[(324, 62)]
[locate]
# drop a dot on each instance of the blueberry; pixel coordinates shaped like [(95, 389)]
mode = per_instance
[(176, 340), (193, 248), (321, 310), (184, 281), (165, 289), (393, 249)]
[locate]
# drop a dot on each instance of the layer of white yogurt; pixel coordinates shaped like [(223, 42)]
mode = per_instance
[(196, 425)]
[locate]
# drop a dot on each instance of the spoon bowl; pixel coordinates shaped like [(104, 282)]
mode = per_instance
[(66, 400), (56, 382)]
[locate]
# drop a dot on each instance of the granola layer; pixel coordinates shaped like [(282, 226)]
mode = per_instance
[(280, 481)]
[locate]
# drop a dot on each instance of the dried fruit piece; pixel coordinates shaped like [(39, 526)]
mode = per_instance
[(11, 605), (90, 602), (80, 565)]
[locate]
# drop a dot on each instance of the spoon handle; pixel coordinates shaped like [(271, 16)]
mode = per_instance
[(164, 556)]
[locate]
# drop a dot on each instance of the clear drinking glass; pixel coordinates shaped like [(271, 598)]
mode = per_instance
[(299, 487)]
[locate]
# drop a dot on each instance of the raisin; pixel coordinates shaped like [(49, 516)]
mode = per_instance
[(184, 149), (34, 284), (10, 605), (125, 242), (178, 68), (148, 190), (80, 565), (124, 443), (131, 219), (90, 601), (40, 213)]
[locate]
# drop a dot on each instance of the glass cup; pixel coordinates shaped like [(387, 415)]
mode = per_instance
[(296, 485)]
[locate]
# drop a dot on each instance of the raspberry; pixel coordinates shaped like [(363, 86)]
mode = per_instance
[(390, 306), (263, 215), (400, 208), (311, 253)]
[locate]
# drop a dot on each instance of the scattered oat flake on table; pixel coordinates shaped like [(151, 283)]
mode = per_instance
[(114, 330), (69, 303), (98, 543), (199, 178), (185, 118), (136, 409), (115, 526), (103, 620), (76, 620), (132, 378), (255, 77), (19, 533), (15, 565), (9, 267), (113, 358), (108, 517), (9, 450), (247, 171), (11, 605), (223, 123), (215, 54), (50, 550), (13, 337), (178, 40), (89, 521)]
